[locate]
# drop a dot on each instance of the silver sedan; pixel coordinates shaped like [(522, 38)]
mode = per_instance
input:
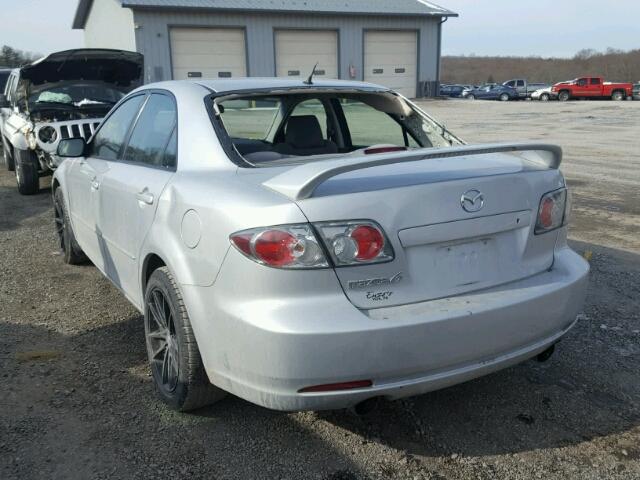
[(317, 245)]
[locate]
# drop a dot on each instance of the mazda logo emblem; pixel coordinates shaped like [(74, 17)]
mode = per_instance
[(472, 201)]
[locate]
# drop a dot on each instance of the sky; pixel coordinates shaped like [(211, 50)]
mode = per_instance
[(485, 27)]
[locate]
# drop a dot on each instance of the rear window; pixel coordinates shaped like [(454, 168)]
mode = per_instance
[(292, 127)]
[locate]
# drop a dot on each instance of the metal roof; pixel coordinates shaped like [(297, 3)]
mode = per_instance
[(353, 7)]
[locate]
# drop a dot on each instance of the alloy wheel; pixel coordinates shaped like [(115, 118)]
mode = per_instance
[(162, 341), (60, 223)]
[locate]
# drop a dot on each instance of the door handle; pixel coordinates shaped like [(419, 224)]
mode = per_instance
[(95, 184), (145, 196)]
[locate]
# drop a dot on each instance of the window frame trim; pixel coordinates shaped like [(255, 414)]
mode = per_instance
[(115, 108), (174, 128), (125, 144)]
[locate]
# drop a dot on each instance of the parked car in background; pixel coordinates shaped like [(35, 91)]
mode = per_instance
[(636, 91), (544, 95), (253, 241), (592, 87), (524, 88), (452, 91), (498, 92), (63, 95)]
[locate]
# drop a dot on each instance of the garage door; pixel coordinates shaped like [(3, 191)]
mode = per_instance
[(391, 59), (297, 51), (208, 53)]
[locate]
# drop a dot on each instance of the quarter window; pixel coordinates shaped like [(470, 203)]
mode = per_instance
[(369, 126), (152, 131), (109, 140)]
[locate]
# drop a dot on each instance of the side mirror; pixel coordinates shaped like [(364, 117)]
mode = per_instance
[(71, 147), (4, 103)]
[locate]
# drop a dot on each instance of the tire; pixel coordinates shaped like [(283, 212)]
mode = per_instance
[(27, 178), (505, 97), (8, 158), (471, 96), (564, 96), (544, 97), (617, 96), (72, 254), (176, 366)]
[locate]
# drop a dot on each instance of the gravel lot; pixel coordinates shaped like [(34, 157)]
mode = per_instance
[(78, 399)]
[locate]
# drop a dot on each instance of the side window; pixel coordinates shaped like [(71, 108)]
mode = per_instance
[(582, 82), (369, 126), (313, 107), (511, 83), (152, 131), (595, 81), (521, 83), (108, 141)]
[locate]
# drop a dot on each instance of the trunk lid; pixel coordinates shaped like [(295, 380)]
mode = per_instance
[(443, 245)]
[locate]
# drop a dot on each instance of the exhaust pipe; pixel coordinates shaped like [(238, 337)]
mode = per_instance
[(366, 406), (546, 355)]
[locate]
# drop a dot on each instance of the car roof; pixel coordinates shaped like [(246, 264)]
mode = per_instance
[(266, 83)]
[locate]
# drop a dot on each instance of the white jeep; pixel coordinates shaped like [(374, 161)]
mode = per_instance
[(63, 95)]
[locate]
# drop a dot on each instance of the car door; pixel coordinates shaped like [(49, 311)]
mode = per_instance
[(595, 87), (131, 187), (84, 175), (582, 88)]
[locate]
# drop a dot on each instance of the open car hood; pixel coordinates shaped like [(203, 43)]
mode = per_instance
[(117, 67)]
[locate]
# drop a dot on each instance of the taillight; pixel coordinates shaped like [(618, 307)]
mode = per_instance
[(296, 246), (552, 211), (353, 243), (288, 246)]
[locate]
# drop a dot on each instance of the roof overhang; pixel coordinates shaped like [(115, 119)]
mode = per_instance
[(82, 13), (425, 9), (319, 7)]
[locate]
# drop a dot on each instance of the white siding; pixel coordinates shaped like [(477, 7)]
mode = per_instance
[(109, 26), (297, 51)]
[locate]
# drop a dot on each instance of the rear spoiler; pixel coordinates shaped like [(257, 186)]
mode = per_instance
[(300, 182)]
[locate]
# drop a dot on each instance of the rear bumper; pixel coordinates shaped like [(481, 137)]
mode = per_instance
[(267, 352)]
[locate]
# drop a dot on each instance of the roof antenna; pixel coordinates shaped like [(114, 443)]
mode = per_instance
[(309, 81)]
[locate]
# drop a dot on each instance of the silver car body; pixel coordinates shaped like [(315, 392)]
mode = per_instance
[(468, 292)]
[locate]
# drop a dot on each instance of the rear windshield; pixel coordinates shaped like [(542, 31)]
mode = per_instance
[(299, 127)]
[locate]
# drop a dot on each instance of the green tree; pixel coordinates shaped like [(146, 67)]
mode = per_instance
[(10, 57)]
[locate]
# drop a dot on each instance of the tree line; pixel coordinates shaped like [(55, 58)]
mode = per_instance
[(11, 57), (612, 64)]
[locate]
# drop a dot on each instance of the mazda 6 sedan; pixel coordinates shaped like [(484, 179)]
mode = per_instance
[(316, 245)]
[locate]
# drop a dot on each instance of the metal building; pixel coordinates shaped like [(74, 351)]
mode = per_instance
[(390, 42)]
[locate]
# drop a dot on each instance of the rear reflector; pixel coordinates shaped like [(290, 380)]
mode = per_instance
[(333, 387)]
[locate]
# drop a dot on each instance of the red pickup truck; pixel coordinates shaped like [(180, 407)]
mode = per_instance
[(592, 87)]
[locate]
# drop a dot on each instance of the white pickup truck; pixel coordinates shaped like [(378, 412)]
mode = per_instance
[(63, 95)]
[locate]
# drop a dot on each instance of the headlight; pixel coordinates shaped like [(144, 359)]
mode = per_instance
[(47, 134)]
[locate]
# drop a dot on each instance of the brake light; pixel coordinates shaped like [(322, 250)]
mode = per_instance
[(552, 211), (289, 246), (357, 242), (375, 150), (369, 242), (296, 246)]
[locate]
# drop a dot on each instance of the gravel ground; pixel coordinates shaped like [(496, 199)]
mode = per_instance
[(78, 399)]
